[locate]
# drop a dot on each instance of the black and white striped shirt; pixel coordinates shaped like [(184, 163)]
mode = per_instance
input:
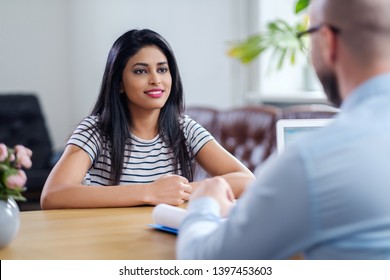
[(144, 161)]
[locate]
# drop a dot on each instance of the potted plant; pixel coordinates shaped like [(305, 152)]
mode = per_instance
[(280, 37), (12, 184)]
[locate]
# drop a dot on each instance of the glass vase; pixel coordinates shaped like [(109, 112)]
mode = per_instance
[(9, 221)]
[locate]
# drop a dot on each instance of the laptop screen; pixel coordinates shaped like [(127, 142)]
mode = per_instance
[(288, 130)]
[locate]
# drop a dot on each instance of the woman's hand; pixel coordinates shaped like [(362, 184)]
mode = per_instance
[(169, 189)]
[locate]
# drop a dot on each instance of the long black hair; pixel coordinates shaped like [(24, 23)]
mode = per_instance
[(113, 112)]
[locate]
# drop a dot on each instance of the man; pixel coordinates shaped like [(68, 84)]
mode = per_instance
[(327, 196)]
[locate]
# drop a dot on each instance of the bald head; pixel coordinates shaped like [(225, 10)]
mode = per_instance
[(364, 25)]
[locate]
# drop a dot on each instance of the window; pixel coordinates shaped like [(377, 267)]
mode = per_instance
[(293, 83)]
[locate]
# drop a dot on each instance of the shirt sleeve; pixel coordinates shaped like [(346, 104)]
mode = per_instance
[(270, 221), (87, 137), (197, 136)]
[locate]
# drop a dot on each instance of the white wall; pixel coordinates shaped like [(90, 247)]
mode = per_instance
[(34, 57), (58, 48)]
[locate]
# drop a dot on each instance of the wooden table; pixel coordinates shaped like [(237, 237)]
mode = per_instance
[(93, 234)]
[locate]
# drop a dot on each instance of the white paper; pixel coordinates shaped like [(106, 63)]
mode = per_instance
[(168, 216)]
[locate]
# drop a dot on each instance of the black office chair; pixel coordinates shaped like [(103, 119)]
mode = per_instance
[(22, 122)]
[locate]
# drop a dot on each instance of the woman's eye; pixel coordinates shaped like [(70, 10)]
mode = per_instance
[(139, 71), (163, 70)]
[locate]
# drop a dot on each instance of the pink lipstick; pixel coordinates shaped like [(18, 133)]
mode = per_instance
[(155, 92)]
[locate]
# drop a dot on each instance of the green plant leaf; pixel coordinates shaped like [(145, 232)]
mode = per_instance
[(246, 51), (301, 5), (292, 57), (281, 58), (279, 37)]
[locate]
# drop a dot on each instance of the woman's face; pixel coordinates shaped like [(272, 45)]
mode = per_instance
[(146, 80)]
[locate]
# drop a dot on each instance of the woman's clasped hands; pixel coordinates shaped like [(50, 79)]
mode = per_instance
[(169, 189)]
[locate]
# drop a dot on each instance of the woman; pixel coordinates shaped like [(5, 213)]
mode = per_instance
[(136, 142)]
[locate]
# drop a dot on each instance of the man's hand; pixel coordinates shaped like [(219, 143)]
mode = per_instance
[(217, 188)]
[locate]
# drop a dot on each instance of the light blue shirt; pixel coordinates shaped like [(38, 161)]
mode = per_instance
[(327, 195)]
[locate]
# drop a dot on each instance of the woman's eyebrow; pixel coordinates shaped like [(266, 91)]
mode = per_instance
[(146, 64), (140, 64)]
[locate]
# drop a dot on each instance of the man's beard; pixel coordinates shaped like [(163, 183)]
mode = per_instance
[(331, 87)]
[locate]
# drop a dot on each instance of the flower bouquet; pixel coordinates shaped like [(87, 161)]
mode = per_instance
[(12, 176)]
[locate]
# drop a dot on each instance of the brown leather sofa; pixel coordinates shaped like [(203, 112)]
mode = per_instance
[(249, 133)]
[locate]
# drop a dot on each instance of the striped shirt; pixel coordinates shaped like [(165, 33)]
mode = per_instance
[(144, 160)]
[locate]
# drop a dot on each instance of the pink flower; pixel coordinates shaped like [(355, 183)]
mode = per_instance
[(11, 157), (12, 177), (3, 152), (23, 156), (17, 181)]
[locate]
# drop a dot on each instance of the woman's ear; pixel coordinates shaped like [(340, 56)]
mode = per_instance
[(121, 88)]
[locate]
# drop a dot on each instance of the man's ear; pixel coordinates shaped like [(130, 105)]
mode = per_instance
[(328, 45)]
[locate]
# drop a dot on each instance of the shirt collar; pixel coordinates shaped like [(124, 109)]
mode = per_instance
[(377, 85)]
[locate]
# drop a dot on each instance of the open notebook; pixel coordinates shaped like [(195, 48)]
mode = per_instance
[(288, 130)]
